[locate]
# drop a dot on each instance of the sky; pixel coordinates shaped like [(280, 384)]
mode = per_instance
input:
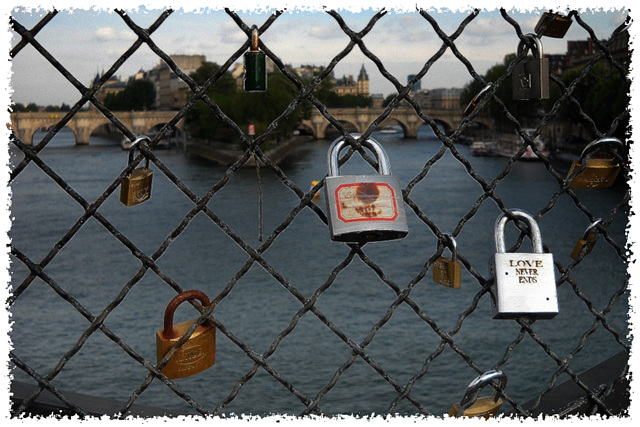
[(88, 40)]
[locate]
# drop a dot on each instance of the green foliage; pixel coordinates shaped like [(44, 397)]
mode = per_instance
[(137, 96), (602, 94), (259, 109)]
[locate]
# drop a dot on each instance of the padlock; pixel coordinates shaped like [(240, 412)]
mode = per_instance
[(522, 284), (530, 76), (136, 187), (198, 352), (364, 208), (598, 172), (587, 241), (255, 66), (448, 272), (485, 407), (553, 25)]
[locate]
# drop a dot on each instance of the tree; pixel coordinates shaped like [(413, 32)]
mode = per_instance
[(137, 96)]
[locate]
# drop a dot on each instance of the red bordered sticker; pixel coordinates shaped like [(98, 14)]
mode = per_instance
[(366, 201)]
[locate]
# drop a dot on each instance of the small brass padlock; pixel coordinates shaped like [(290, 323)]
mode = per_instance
[(136, 187), (447, 272), (587, 241), (553, 25), (198, 352), (485, 407), (255, 66), (598, 172), (530, 77)]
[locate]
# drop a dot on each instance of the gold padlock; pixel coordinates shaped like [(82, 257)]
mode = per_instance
[(448, 272), (598, 172), (586, 241), (485, 407), (198, 352), (555, 25), (136, 187)]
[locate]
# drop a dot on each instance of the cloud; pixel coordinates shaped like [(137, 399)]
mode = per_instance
[(109, 34)]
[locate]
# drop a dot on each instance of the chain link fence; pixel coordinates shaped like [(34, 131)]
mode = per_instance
[(259, 359)]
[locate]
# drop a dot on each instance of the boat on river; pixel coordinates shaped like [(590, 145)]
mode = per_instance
[(508, 147), (482, 148)]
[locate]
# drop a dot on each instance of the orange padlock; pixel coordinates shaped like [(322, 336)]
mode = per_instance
[(198, 352)]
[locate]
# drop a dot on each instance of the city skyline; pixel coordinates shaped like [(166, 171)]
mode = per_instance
[(89, 41)]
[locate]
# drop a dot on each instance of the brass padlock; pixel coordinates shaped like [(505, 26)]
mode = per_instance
[(598, 172), (485, 407), (553, 25), (448, 272), (198, 352), (136, 187), (255, 66), (587, 241)]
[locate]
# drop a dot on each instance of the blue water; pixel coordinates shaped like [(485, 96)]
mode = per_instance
[(94, 267)]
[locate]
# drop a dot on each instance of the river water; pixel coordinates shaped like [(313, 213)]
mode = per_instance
[(94, 267)]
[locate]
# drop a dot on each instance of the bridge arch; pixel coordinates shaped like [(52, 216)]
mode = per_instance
[(84, 123)]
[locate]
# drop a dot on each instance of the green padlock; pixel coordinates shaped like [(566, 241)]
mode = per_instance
[(255, 66)]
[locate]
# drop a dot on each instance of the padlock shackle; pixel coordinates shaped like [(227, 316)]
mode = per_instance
[(536, 237), (370, 143), (452, 246), (168, 332), (471, 394), (590, 228), (135, 146), (254, 38), (609, 141), (536, 49)]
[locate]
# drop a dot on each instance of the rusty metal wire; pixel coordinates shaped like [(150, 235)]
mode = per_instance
[(358, 350)]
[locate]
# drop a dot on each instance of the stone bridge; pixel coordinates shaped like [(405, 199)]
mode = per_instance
[(84, 123), (360, 119)]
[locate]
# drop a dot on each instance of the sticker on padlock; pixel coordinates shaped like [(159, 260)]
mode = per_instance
[(553, 25), (196, 354), (448, 272), (587, 241), (598, 172), (486, 407), (136, 187), (522, 284), (530, 78), (255, 66), (364, 208)]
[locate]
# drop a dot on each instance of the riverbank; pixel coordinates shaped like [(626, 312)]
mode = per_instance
[(227, 154)]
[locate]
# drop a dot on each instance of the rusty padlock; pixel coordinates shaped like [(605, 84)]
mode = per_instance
[(198, 352), (364, 208), (136, 187), (485, 407), (447, 272), (598, 172), (587, 241)]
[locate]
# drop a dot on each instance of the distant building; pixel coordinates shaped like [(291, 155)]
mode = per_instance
[(171, 91), (439, 99), (349, 86), (111, 86), (418, 84)]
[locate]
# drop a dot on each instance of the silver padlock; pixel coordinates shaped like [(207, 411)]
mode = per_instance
[(530, 78), (364, 208), (522, 284)]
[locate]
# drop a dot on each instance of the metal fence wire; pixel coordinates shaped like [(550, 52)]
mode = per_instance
[(259, 358)]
